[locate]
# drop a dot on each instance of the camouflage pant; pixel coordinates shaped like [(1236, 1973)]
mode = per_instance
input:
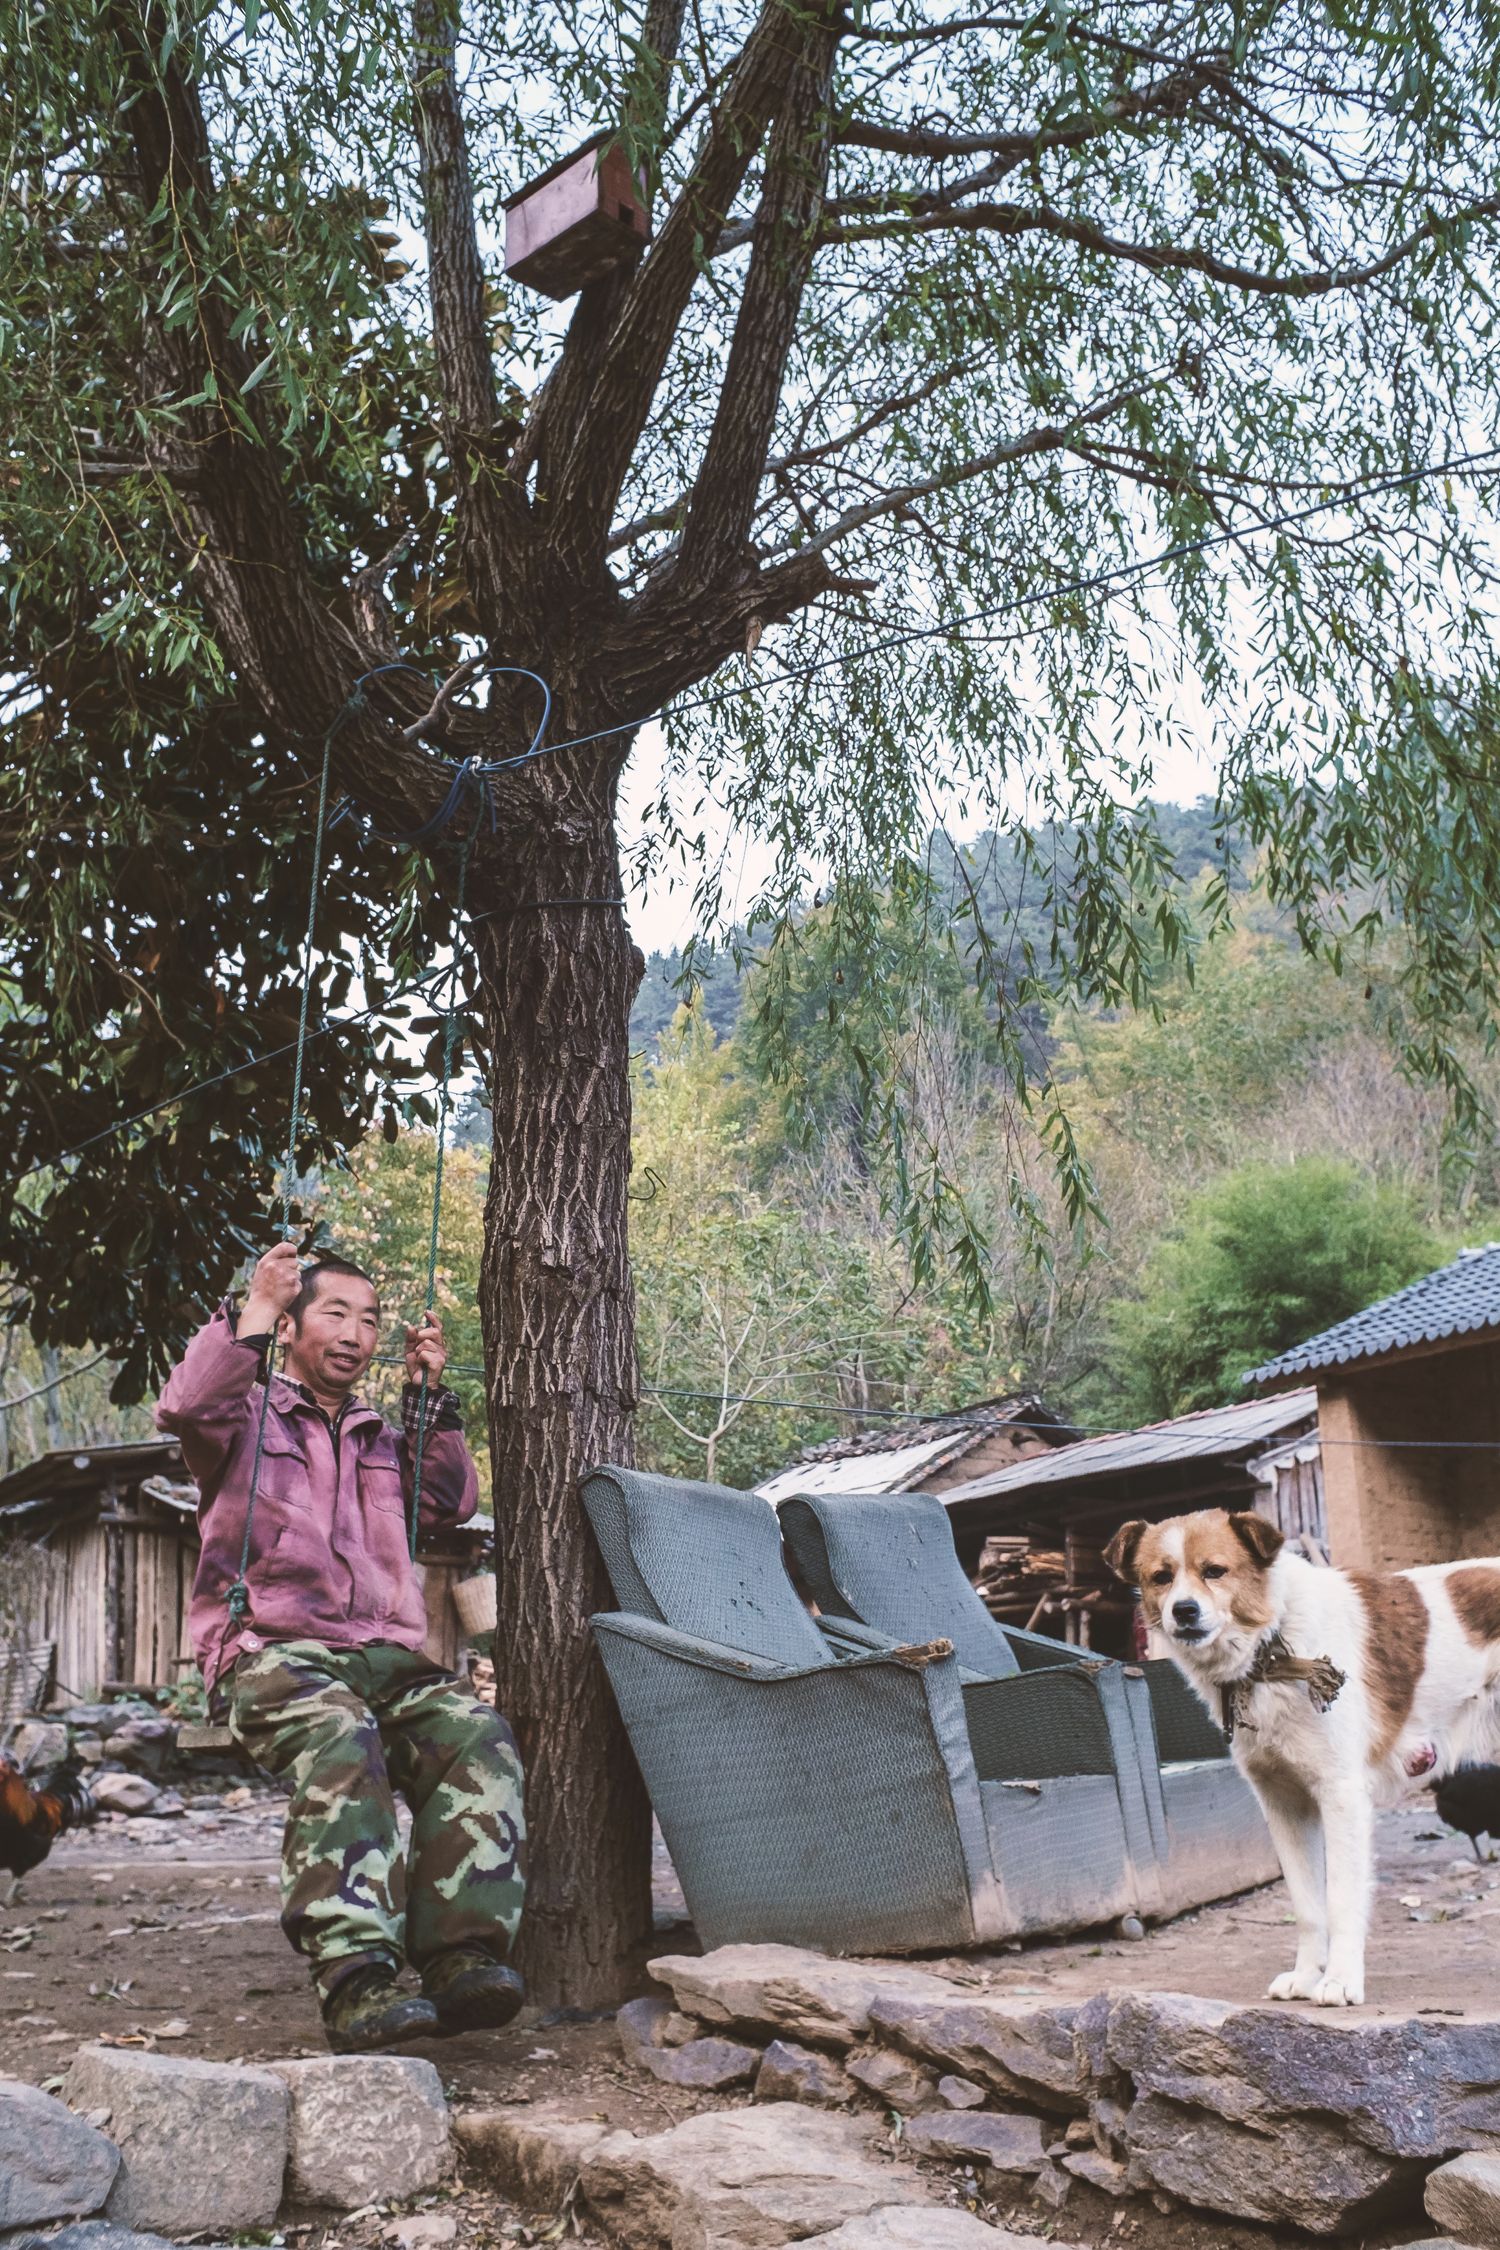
[(347, 1728)]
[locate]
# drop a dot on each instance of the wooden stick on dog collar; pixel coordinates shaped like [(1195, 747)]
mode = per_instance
[(1275, 1662)]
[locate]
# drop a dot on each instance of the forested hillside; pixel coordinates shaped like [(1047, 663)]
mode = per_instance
[(1260, 1166)]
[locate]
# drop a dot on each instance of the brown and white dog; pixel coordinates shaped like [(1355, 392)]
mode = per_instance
[(1419, 1693)]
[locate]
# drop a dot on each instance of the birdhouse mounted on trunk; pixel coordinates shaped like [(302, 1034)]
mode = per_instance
[(580, 220)]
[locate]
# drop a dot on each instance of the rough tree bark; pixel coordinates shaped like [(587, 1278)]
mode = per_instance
[(559, 973)]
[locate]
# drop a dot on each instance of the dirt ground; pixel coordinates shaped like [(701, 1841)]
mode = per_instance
[(165, 1933)]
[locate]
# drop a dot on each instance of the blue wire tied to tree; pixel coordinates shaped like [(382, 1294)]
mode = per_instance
[(472, 770)]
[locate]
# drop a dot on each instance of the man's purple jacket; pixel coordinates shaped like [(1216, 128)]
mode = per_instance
[(329, 1557)]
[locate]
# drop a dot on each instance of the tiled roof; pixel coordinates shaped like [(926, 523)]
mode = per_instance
[(1228, 1431), (979, 1420), (1457, 1300), (885, 1459)]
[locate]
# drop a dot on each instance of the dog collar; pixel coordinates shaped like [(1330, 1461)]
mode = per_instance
[(1274, 1661)]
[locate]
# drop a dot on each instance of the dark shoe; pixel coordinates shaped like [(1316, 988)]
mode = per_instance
[(368, 2010), (471, 1991)]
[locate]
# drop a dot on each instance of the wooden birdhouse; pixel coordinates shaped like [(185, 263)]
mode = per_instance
[(580, 220)]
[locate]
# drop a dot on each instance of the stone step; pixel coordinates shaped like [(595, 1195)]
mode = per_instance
[(741, 2179)]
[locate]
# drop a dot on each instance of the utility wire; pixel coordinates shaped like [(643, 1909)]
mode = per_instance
[(335, 1022), (957, 1421), (954, 628)]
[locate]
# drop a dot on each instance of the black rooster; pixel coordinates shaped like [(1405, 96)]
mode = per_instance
[(34, 1814), (1469, 1799)]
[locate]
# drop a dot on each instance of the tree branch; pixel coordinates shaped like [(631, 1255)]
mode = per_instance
[(456, 278), (1050, 437), (669, 516), (1169, 96), (1016, 219), (596, 442), (725, 490)]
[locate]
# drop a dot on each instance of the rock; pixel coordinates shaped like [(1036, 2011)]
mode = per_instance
[(898, 2228), (1464, 2197), (1080, 2133), (1006, 2139), (364, 2128), (897, 2082), (426, 2230), (1099, 2171), (1416, 2087), (52, 2164), (1305, 2171), (145, 1745), (1023, 2049), (788, 1989), (37, 1743), (679, 2029), (1052, 2186), (789, 2073), (89, 2234), (641, 2024), (88, 1749), (711, 2065), (535, 2154), (124, 1793), (742, 2179), (107, 1718), (203, 2146), (960, 2093)]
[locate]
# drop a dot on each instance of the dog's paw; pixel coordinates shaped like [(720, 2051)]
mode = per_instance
[(1337, 1992), (1294, 1984)]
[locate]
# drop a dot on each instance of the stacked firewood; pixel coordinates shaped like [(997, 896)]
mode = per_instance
[(1068, 1592), (1014, 1576)]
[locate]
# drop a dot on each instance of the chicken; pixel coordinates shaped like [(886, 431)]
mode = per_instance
[(34, 1814), (1469, 1799)]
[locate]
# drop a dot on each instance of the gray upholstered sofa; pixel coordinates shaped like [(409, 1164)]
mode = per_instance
[(887, 1560), (849, 1789)]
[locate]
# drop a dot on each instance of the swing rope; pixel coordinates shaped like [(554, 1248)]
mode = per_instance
[(237, 1596), (445, 1106)]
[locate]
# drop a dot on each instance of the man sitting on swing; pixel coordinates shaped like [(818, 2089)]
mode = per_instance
[(319, 1655)]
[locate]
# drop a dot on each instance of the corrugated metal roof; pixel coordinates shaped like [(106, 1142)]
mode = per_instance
[(1221, 1430), (87, 1468), (965, 1425), (1457, 1300), (884, 1471)]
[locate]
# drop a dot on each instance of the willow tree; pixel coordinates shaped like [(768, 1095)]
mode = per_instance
[(941, 313)]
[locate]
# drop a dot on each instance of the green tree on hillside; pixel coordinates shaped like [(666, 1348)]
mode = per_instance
[(1266, 1256)]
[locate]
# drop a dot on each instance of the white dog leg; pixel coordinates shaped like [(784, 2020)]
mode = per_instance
[(1349, 1846), (1296, 1831)]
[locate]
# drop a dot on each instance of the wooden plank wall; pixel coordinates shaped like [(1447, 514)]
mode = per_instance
[(72, 1609), (1294, 1500), (114, 1598)]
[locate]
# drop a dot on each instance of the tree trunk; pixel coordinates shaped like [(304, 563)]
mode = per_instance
[(556, 1297)]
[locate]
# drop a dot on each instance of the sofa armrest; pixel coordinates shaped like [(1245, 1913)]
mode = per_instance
[(833, 1805), (690, 1649)]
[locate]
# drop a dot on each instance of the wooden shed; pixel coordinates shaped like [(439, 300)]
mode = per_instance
[(1263, 1454), (106, 1542), (1409, 1406)]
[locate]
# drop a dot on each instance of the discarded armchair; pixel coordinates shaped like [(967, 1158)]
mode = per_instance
[(888, 1562), (848, 1790)]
